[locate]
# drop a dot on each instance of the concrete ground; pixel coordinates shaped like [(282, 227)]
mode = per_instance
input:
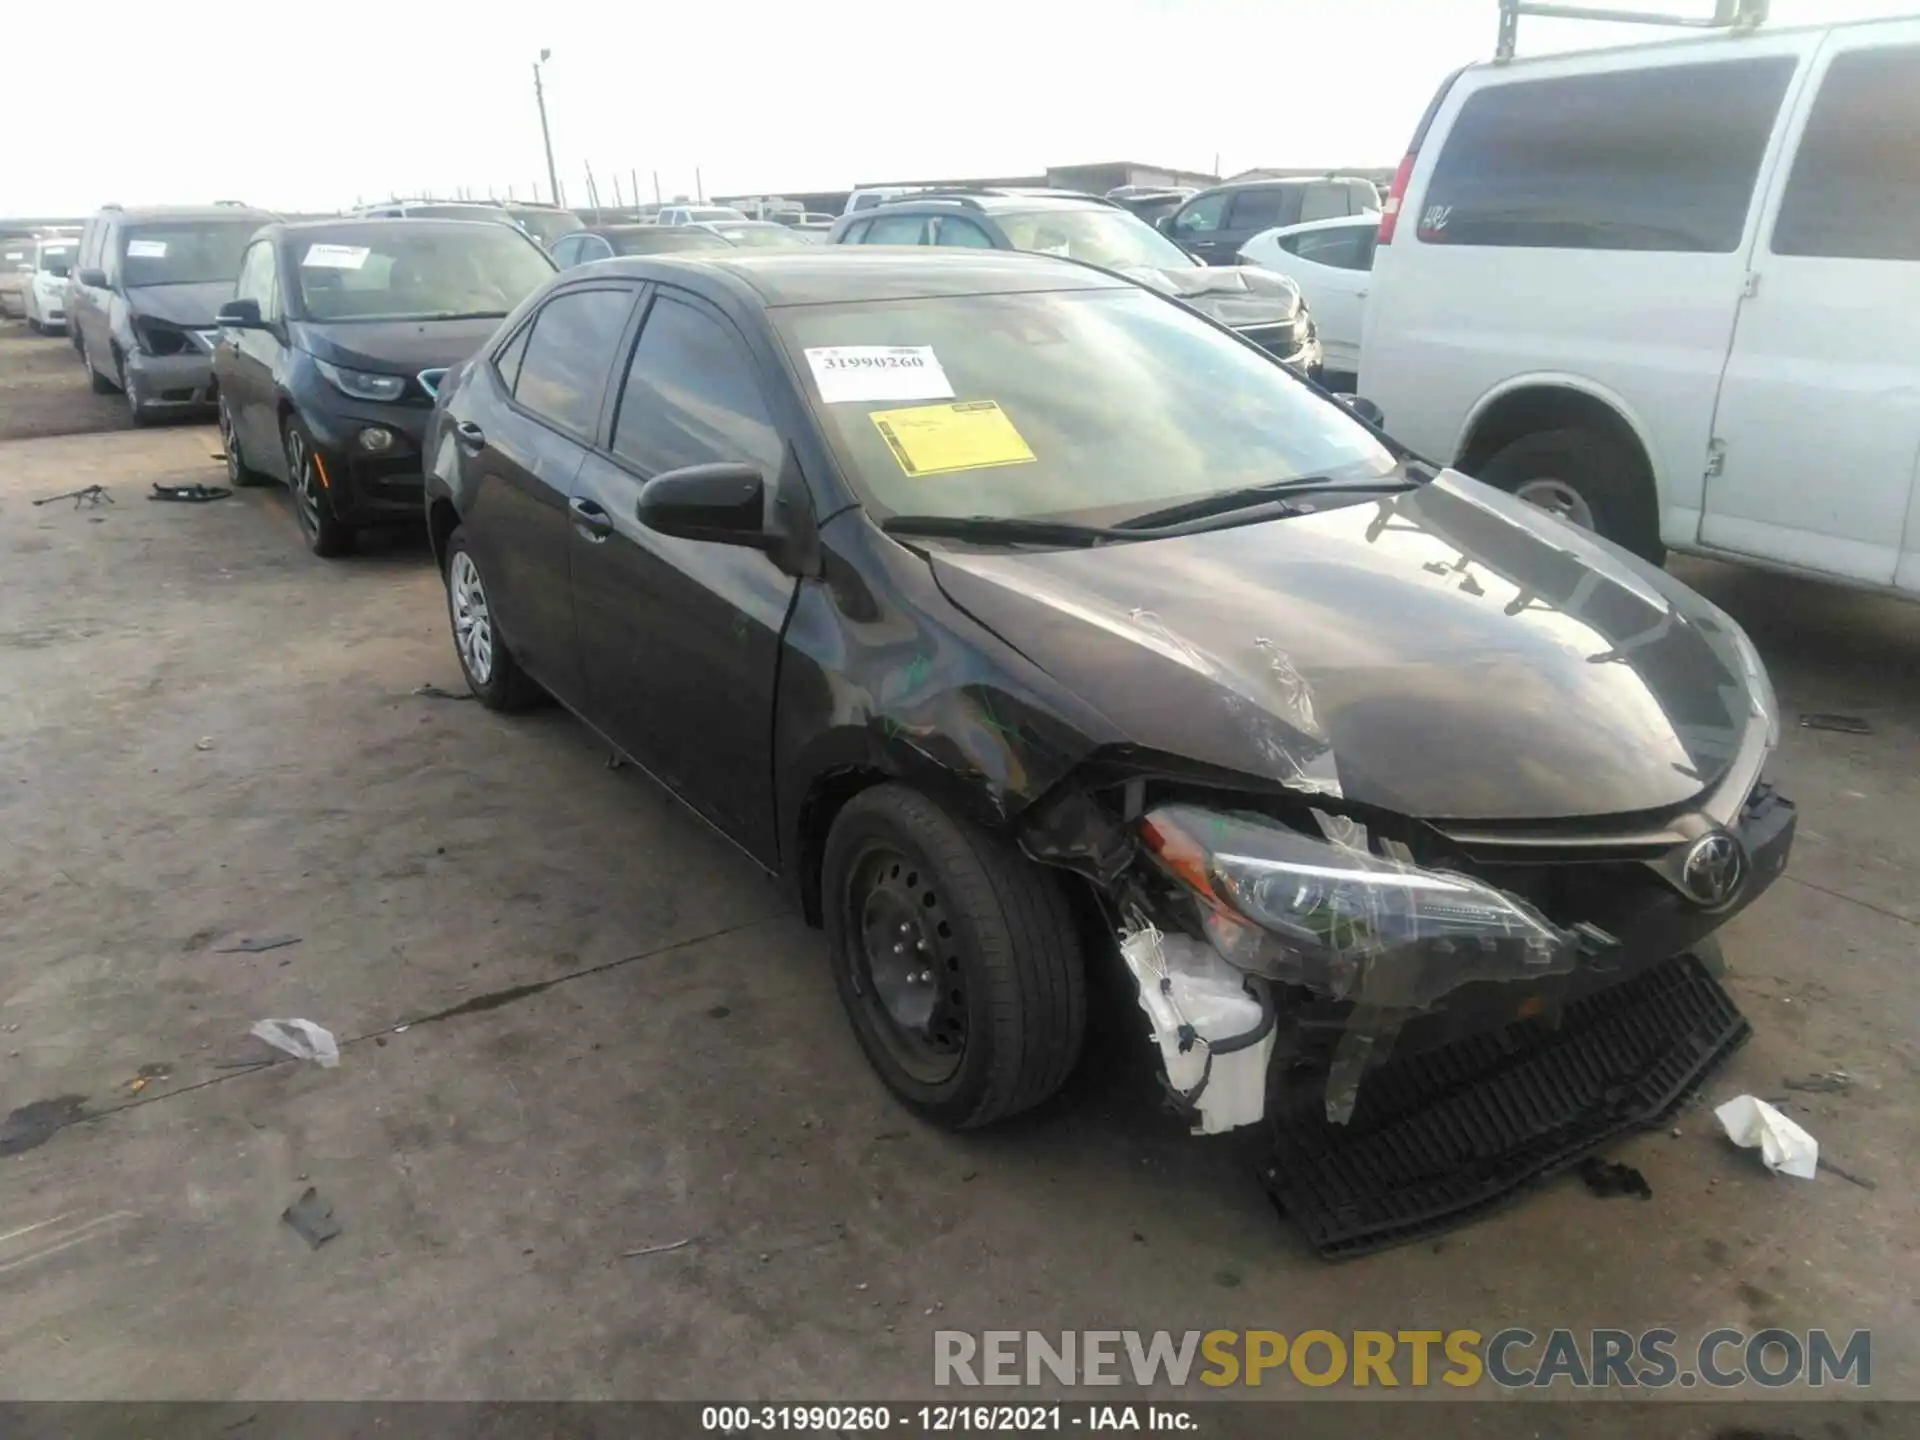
[(574, 1025)]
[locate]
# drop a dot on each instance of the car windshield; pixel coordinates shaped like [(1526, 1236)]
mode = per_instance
[(1087, 405), (653, 241), (185, 254), (547, 226), (1105, 236), (756, 235), (393, 271), (57, 262)]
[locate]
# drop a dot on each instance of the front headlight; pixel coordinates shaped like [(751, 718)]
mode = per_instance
[(362, 384), (1343, 921)]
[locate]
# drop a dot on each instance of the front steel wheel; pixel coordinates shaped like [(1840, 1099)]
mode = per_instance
[(955, 956)]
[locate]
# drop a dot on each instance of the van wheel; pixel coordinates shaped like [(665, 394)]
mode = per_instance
[(1588, 479), (955, 956)]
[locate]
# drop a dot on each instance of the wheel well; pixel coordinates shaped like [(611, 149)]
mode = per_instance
[(442, 519), (1535, 409), (824, 801)]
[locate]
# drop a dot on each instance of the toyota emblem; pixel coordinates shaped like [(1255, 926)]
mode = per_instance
[(1714, 869)]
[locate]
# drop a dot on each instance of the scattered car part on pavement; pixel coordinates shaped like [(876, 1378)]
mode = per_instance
[(86, 496), (1784, 1147), (312, 1218), (190, 494), (301, 1039), (259, 946), (1843, 724)]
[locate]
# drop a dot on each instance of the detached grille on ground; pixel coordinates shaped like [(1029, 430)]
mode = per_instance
[(1446, 1135)]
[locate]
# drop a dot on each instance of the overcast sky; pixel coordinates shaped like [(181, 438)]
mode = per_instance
[(318, 105)]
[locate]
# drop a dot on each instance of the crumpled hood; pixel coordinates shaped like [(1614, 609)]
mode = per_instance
[(189, 306), (394, 347), (1446, 653), (1236, 295)]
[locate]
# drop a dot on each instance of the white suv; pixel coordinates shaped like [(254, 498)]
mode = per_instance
[(1672, 292)]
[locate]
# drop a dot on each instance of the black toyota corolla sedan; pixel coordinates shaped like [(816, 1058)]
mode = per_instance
[(331, 349), (1022, 619)]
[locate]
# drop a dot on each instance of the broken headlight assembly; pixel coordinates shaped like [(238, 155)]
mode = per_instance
[(1330, 915), (159, 339)]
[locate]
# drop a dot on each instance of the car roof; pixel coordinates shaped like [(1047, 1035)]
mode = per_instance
[(812, 275), (352, 226), (1698, 40), (150, 214), (992, 202)]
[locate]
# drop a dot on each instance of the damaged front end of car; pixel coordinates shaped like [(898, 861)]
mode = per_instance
[(1424, 1031)]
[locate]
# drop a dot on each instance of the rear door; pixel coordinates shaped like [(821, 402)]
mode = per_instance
[(1331, 265), (1818, 427), (522, 452), (681, 638)]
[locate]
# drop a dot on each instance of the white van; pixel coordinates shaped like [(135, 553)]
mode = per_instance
[(1672, 292)]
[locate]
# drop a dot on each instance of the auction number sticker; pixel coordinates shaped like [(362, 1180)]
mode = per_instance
[(335, 257), (146, 249), (940, 439), (877, 372)]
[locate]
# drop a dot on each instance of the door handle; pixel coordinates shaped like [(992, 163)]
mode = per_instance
[(469, 434), (591, 519)]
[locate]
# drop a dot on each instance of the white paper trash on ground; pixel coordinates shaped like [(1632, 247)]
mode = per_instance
[(1784, 1147), (301, 1039)]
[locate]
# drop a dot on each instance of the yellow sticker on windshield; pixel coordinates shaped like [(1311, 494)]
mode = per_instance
[(940, 439)]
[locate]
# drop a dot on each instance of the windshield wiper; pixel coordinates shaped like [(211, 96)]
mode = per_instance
[(461, 315), (1227, 501), (994, 528)]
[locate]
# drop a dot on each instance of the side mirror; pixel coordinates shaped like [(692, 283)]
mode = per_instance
[(724, 504), (239, 315), (1364, 409), (94, 279), (1165, 224)]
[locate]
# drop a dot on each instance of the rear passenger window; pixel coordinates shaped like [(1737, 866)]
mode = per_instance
[(1323, 202), (507, 362), (1656, 159), (1344, 247), (953, 230), (1854, 192), (568, 355), (1264, 209)]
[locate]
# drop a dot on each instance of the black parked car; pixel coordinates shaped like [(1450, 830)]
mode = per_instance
[(1014, 614), (331, 350), (1265, 307)]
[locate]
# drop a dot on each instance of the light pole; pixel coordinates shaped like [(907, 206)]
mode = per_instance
[(546, 136)]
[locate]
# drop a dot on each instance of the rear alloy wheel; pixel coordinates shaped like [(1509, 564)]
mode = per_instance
[(1588, 479), (312, 498), (955, 956), (239, 473), (493, 674)]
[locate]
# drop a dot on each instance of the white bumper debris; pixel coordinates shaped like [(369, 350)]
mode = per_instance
[(1215, 1036)]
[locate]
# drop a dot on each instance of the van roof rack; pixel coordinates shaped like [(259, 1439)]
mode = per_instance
[(1727, 15)]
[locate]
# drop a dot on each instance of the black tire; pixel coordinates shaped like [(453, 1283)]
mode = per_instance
[(1610, 477), (1009, 1006), (100, 383), (239, 472), (312, 499), (504, 686)]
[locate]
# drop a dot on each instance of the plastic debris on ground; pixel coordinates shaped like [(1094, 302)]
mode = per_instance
[(1205, 1022), (1609, 1177), (301, 1039), (256, 947), (312, 1218), (194, 494), (1784, 1147), (1841, 724)]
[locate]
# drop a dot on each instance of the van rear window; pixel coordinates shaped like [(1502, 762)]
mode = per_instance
[(1663, 158)]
